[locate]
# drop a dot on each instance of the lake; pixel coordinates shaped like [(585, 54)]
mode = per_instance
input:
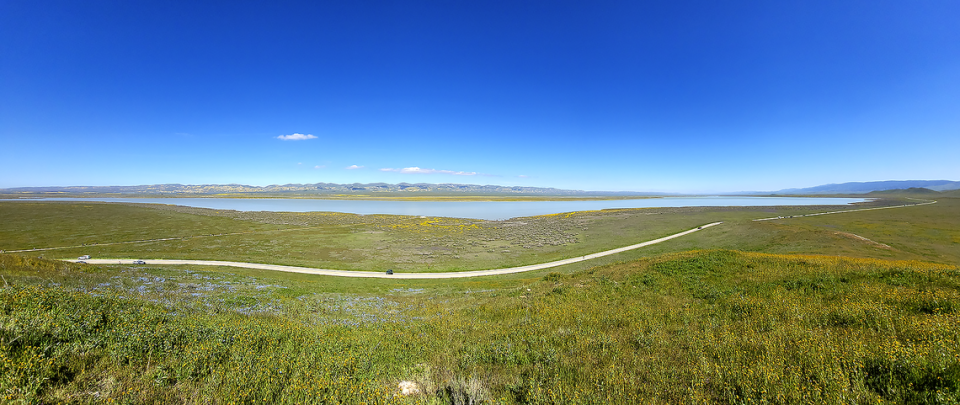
[(489, 210)]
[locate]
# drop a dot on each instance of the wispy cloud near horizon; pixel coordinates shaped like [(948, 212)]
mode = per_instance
[(417, 170), (353, 167), (296, 137)]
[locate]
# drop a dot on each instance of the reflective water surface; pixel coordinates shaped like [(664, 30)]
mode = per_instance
[(490, 210)]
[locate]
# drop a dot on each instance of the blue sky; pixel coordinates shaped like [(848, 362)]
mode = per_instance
[(636, 96)]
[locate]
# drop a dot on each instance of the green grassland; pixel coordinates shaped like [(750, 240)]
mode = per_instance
[(926, 232), (702, 326), (854, 307), (413, 244)]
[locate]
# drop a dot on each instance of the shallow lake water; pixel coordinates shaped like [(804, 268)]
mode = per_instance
[(489, 210)]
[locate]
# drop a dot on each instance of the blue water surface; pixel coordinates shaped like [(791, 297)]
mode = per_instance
[(489, 210)]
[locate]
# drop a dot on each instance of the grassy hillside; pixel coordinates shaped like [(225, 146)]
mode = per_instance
[(928, 232), (912, 191), (413, 244), (716, 326)]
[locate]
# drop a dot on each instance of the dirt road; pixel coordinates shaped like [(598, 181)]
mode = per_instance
[(377, 274)]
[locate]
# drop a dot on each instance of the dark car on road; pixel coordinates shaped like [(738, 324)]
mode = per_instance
[(139, 262), (390, 271)]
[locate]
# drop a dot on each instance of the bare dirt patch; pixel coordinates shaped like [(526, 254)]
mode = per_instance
[(861, 238)]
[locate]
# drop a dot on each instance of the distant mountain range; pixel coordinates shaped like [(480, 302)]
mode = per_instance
[(450, 188), (870, 186), (317, 188)]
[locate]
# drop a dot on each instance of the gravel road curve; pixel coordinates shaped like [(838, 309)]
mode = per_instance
[(377, 274)]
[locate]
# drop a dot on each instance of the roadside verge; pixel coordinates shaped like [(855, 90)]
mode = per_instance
[(377, 274)]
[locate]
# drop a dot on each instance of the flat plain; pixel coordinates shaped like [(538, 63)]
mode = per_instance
[(414, 244), (853, 307)]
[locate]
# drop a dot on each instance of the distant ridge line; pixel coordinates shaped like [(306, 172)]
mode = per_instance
[(871, 186), (455, 188), (317, 188)]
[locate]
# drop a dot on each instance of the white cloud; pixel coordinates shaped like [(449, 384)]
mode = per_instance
[(523, 176), (296, 137), (320, 166), (417, 170), (354, 167)]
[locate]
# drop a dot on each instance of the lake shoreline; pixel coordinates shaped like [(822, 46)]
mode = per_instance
[(485, 210)]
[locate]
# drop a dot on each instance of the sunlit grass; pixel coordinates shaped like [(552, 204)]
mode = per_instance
[(413, 244), (714, 326)]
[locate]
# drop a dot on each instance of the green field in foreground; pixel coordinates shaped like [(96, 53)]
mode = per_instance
[(413, 244), (702, 326), (823, 316)]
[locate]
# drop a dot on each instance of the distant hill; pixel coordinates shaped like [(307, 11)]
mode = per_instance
[(316, 188), (911, 190), (905, 186), (867, 187)]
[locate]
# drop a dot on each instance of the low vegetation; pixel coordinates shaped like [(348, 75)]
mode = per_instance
[(754, 318), (716, 326), (414, 244)]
